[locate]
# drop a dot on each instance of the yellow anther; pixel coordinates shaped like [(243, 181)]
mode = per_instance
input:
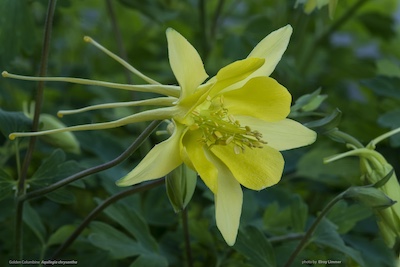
[(229, 140), (218, 134), (237, 149), (194, 127)]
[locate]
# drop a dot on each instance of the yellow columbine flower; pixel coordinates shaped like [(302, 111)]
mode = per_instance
[(229, 130)]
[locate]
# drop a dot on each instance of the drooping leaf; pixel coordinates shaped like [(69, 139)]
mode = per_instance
[(118, 244)]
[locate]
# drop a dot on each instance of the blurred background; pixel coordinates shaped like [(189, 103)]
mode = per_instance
[(350, 52)]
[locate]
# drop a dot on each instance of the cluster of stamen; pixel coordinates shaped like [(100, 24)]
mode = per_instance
[(221, 128)]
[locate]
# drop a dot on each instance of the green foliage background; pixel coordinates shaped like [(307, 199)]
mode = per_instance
[(354, 58)]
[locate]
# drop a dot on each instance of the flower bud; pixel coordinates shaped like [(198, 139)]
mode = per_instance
[(389, 219), (180, 184), (64, 140)]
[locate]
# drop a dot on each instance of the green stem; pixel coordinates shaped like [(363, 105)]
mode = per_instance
[(216, 17), (118, 38), (100, 208), (324, 36), (35, 124), (311, 230), (203, 27), (342, 20), (18, 229), (132, 148), (188, 248)]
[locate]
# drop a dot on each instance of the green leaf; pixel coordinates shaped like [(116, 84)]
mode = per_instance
[(384, 86), (60, 235), (345, 216), (6, 184), (277, 221), (32, 219), (326, 234), (375, 252), (378, 24), (17, 30), (13, 122), (253, 244), (62, 196), (327, 123), (53, 168), (150, 260), (133, 223), (157, 209), (299, 213), (308, 102), (311, 166), (118, 244)]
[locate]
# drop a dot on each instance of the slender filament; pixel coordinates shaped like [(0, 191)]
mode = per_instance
[(161, 101), (169, 90)]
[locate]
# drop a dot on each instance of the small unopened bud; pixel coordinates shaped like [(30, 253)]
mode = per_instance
[(65, 140), (180, 184)]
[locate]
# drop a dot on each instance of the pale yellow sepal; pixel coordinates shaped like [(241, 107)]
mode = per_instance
[(161, 160), (185, 62), (228, 202), (271, 48)]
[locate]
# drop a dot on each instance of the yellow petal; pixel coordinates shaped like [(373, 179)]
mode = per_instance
[(160, 161), (260, 97), (235, 72), (185, 63), (193, 156), (271, 48), (281, 135), (228, 202), (255, 168)]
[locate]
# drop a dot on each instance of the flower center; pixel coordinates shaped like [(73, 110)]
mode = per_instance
[(221, 128)]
